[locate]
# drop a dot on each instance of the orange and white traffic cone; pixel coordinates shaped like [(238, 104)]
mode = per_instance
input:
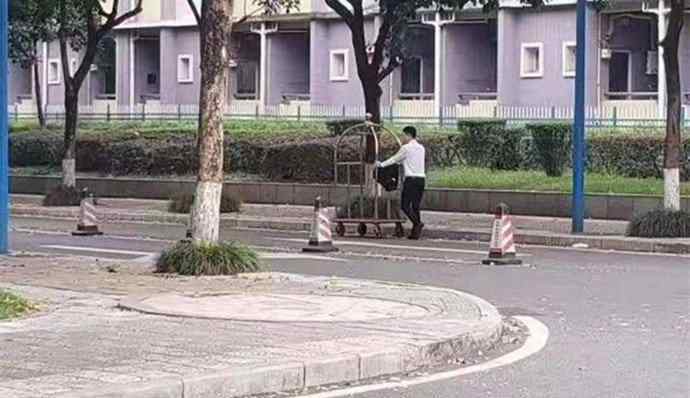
[(321, 237), (88, 222), (502, 249)]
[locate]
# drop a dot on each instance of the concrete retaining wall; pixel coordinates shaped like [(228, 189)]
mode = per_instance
[(456, 200)]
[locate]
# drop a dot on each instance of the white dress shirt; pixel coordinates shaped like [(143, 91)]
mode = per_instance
[(411, 155)]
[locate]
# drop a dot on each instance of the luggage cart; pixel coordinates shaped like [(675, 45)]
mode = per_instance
[(369, 206)]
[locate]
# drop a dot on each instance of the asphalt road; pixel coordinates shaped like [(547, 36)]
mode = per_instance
[(618, 322)]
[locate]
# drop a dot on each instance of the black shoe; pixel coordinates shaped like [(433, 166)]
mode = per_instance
[(414, 233)]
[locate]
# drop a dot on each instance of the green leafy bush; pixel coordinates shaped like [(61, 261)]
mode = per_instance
[(12, 306), (490, 144), (62, 196), (355, 205), (339, 126), (661, 224), (182, 203), (469, 125), (225, 258), (552, 145)]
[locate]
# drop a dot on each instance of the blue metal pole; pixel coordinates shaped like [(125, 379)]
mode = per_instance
[(4, 131), (579, 128)]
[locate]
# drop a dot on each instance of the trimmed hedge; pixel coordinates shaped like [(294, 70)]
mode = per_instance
[(182, 203), (552, 146), (661, 224), (338, 127)]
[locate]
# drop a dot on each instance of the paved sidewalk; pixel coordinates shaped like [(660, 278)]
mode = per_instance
[(601, 234), (221, 337)]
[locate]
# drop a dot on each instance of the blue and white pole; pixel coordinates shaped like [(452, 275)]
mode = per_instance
[(4, 132), (579, 127)]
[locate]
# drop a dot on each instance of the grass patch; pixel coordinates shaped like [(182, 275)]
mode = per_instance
[(225, 258), (479, 178), (12, 306), (661, 224)]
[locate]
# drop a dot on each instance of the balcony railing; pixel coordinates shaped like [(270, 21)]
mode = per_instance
[(631, 95), (465, 97), (416, 96)]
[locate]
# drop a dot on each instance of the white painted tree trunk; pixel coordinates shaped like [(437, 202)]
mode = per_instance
[(205, 212), (69, 172), (672, 189)]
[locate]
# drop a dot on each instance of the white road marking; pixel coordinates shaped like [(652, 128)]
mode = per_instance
[(98, 250), (536, 341), (388, 246), (150, 256)]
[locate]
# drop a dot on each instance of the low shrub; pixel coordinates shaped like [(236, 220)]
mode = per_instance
[(225, 258), (62, 195), (367, 210), (182, 203), (468, 125), (661, 224), (12, 306), (552, 145), (339, 126), (490, 145)]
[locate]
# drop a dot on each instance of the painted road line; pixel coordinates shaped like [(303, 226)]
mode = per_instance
[(297, 256), (536, 341), (388, 246), (98, 250)]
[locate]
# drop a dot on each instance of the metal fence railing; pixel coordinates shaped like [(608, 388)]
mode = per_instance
[(420, 112)]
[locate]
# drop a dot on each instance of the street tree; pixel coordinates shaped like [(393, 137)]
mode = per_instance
[(31, 23), (673, 152), (215, 21), (81, 26)]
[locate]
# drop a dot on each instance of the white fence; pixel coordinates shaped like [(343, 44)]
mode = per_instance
[(613, 114)]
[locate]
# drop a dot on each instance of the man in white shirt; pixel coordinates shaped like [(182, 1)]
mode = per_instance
[(412, 156)]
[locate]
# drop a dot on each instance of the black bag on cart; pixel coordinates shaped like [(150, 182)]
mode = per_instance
[(388, 177)]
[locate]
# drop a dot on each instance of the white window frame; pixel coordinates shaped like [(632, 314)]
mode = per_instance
[(523, 61), (190, 71), (331, 66), (567, 45), (58, 71)]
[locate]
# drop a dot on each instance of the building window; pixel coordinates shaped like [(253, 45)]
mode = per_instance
[(54, 71), (532, 60), (339, 65), (185, 69), (247, 79), (569, 58), (412, 72)]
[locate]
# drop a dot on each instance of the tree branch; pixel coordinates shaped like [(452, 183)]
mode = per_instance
[(122, 18), (195, 11), (341, 10), (392, 65)]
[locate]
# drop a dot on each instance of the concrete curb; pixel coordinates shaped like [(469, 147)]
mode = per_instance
[(614, 243), (296, 376)]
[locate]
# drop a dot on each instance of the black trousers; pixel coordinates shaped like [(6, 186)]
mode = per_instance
[(412, 194)]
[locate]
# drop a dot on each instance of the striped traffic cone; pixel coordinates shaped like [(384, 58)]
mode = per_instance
[(88, 223), (502, 249), (321, 238)]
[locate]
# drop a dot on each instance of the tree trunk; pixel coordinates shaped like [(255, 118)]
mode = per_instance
[(38, 96), (672, 145), (215, 30), (372, 103), (69, 172)]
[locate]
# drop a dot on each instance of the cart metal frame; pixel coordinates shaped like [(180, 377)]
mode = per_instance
[(362, 131)]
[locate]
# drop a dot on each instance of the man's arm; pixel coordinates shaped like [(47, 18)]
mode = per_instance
[(397, 158)]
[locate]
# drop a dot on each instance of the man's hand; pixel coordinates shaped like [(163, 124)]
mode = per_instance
[(378, 164)]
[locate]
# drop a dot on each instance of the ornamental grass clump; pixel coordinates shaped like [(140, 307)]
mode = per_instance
[(225, 258), (661, 224)]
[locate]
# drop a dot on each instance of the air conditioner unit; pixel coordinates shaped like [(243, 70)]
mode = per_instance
[(605, 53), (652, 62)]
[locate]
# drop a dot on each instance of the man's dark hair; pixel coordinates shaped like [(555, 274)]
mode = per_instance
[(411, 131)]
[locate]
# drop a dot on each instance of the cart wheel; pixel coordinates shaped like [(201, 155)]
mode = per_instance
[(399, 230), (362, 229), (340, 229), (378, 231)]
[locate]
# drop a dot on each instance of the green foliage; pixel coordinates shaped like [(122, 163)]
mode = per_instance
[(339, 126), (182, 203), (489, 144), (479, 125), (525, 180), (661, 224), (552, 144), (187, 258), (62, 196), (31, 22), (363, 207), (12, 306)]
